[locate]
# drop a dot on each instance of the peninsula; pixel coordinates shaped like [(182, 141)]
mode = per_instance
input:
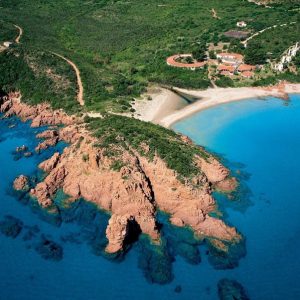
[(109, 79)]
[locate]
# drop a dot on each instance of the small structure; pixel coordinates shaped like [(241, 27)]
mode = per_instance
[(7, 44), (241, 24), (174, 61), (231, 58)]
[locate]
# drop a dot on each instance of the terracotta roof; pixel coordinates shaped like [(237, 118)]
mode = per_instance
[(226, 73), (235, 56), (247, 74), (172, 61), (226, 68), (243, 68)]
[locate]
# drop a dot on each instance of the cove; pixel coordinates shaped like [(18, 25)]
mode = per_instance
[(259, 141)]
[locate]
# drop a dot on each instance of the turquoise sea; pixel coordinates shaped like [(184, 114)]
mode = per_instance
[(258, 139)]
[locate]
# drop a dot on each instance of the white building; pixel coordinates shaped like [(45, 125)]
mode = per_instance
[(241, 24), (287, 57)]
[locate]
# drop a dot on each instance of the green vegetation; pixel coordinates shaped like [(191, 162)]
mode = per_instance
[(120, 47), (148, 139), (40, 76), (272, 43), (255, 54), (224, 81), (199, 53), (7, 31), (117, 165)]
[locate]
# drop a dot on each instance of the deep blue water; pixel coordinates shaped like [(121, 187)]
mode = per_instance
[(260, 138)]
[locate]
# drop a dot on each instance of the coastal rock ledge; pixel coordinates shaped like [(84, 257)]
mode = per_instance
[(133, 192)]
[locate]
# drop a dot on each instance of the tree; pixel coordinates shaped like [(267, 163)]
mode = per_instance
[(199, 53), (212, 54), (255, 54)]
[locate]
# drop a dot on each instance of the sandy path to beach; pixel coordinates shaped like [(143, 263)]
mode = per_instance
[(18, 38), (79, 81), (212, 97)]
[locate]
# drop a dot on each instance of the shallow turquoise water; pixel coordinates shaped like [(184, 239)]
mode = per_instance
[(261, 138)]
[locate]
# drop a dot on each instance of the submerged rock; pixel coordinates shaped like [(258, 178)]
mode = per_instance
[(11, 226), (231, 290), (156, 262), (189, 252), (49, 250), (225, 255), (30, 232), (178, 289)]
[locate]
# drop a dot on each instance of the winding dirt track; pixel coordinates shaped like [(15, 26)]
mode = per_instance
[(245, 42), (17, 40), (79, 81)]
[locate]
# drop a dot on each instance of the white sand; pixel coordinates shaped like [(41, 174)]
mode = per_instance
[(212, 97), (163, 103)]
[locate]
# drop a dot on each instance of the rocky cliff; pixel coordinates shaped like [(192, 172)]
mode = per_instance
[(134, 191)]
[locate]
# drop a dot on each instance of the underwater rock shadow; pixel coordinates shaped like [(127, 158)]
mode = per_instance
[(231, 289)]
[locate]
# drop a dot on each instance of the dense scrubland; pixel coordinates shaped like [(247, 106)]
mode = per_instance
[(120, 47), (149, 140)]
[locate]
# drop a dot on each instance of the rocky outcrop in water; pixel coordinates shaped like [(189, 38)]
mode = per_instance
[(117, 231), (134, 192), (40, 114), (21, 183)]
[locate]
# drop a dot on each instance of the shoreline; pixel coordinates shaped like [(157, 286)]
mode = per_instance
[(167, 107), (163, 102)]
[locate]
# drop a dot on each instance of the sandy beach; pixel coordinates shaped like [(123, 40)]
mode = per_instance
[(167, 108), (163, 102)]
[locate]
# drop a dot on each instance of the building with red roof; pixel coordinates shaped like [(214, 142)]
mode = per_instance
[(244, 68), (174, 62), (247, 74), (227, 68), (230, 58)]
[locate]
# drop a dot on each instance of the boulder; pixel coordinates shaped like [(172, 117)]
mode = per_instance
[(21, 183)]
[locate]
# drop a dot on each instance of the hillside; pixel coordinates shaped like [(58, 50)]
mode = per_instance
[(121, 47)]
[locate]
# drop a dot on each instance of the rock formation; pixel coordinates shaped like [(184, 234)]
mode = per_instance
[(117, 231), (40, 114), (21, 183), (131, 194)]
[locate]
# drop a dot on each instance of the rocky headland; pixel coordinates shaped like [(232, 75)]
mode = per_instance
[(133, 192)]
